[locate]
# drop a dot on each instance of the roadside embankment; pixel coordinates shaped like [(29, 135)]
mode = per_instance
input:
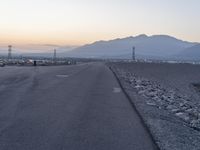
[(168, 99)]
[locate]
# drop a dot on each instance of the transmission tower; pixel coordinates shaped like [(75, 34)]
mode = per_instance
[(9, 51), (54, 55), (133, 54)]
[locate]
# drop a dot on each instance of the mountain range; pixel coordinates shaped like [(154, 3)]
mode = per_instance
[(146, 47), (156, 46)]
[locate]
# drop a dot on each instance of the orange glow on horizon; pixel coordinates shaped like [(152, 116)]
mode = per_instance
[(78, 22)]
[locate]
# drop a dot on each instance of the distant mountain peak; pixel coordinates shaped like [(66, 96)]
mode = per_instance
[(165, 37), (141, 36)]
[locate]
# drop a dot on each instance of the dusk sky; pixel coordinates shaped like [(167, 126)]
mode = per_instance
[(77, 22)]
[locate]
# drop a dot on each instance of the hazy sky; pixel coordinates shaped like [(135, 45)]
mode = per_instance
[(76, 22)]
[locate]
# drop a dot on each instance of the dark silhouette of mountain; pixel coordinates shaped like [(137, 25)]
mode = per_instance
[(156, 46)]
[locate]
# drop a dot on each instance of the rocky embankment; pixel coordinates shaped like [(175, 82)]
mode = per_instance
[(168, 99), (165, 108)]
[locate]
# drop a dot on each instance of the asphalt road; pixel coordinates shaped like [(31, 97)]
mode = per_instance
[(67, 108)]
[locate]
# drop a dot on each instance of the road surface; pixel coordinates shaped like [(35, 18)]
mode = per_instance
[(67, 108)]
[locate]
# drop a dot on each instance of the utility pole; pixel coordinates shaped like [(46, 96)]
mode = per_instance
[(133, 54), (54, 56), (9, 52)]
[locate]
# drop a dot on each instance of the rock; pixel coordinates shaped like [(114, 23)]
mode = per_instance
[(141, 92), (144, 84), (163, 97), (194, 114), (137, 86), (156, 98), (151, 104), (170, 100), (175, 110), (181, 104), (138, 81), (151, 94), (184, 108), (195, 123), (171, 107), (189, 110), (183, 116)]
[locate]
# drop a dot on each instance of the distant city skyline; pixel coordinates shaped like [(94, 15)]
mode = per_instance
[(78, 22)]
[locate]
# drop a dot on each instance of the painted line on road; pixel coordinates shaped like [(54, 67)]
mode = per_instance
[(116, 90), (62, 76)]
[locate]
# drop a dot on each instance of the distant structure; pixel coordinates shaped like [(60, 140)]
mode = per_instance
[(133, 54), (9, 51), (54, 55)]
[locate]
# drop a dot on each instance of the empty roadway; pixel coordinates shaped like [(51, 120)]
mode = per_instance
[(77, 107)]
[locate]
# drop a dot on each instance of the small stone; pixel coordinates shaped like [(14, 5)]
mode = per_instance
[(171, 107), (144, 84), (182, 104), (137, 86), (151, 104), (156, 98), (151, 94), (195, 123), (189, 110), (183, 116), (163, 97), (184, 108), (141, 92), (175, 110)]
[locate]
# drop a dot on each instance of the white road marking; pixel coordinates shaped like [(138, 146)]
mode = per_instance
[(116, 90), (62, 76)]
